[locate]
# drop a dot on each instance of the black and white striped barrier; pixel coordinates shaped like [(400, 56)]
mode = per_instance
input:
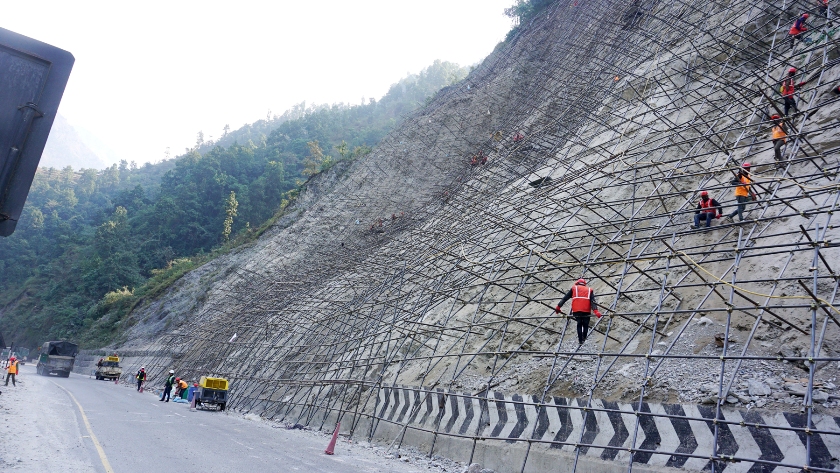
[(609, 428)]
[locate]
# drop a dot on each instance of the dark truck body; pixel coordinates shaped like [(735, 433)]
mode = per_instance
[(57, 357)]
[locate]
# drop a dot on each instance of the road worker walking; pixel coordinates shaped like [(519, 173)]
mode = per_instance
[(11, 371), (140, 377)]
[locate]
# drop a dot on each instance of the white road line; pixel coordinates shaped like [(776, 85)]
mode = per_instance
[(99, 450)]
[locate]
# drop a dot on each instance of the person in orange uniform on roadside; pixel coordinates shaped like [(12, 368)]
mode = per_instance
[(583, 305), (779, 135), (141, 378), (743, 192), (12, 371)]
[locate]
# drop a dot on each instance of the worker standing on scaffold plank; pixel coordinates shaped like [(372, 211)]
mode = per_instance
[(583, 304), (779, 135), (788, 90), (743, 192), (799, 27)]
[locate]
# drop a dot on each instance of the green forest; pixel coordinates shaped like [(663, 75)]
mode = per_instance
[(91, 245)]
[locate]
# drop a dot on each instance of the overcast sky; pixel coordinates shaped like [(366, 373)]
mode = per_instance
[(149, 75)]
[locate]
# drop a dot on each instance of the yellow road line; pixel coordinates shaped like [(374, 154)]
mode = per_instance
[(96, 444)]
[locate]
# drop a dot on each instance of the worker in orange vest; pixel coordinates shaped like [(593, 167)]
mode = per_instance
[(788, 90), (743, 192), (707, 210), (798, 28), (140, 377), (11, 371), (583, 304), (779, 136)]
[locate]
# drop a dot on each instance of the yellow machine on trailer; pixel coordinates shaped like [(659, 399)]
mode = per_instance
[(212, 392)]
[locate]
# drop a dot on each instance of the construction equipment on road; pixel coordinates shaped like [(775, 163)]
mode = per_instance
[(212, 392), (108, 368), (57, 357)]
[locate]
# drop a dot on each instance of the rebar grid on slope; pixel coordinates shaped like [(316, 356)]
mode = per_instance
[(629, 120)]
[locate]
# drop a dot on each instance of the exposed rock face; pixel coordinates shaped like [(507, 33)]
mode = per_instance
[(451, 277)]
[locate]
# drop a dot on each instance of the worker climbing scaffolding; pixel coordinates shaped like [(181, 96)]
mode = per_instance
[(743, 192), (788, 90), (822, 7), (779, 137), (583, 305), (796, 31)]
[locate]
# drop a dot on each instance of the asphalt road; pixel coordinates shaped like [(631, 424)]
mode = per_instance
[(78, 424)]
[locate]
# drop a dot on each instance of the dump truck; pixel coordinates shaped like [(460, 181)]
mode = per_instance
[(212, 392), (108, 368), (57, 357)]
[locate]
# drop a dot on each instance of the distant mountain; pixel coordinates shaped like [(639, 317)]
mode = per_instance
[(105, 152), (65, 147)]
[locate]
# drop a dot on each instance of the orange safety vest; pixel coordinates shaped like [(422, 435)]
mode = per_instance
[(743, 189), (788, 87), (706, 206), (779, 133), (182, 384), (12, 369), (580, 299)]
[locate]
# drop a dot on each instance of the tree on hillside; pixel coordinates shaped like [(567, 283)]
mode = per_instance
[(230, 211), (524, 10), (113, 263), (315, 161), (343, 150)]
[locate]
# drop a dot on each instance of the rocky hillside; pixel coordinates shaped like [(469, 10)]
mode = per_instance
[(427, 265)]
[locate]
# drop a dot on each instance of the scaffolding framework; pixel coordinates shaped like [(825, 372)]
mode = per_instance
[(445, 292)]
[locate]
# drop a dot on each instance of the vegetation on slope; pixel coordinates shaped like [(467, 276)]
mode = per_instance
[(523, 11), (91, 245)]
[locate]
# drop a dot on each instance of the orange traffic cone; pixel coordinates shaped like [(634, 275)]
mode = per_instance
[(117, 380), (192, 402), (331, 447)]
